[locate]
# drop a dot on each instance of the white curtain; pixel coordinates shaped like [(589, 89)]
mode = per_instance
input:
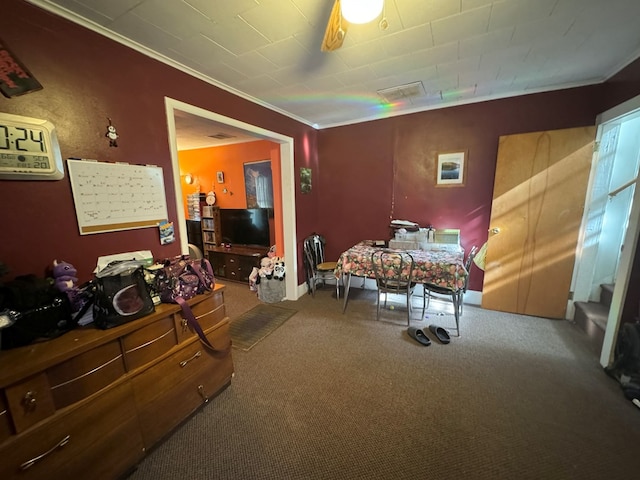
[(264, 192)]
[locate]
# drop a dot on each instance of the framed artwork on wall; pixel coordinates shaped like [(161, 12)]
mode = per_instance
[(451, 169), (258, 184), (220, 177), (305, 180)]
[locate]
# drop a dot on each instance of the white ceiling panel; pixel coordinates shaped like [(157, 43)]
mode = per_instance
[(461, 50)]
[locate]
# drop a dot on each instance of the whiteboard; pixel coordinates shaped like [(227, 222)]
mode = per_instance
[(116, 196)]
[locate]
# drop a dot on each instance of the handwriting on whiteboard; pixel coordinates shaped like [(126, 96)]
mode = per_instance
[(116, 196)]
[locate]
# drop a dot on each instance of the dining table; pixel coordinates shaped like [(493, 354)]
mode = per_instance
[(443, 267)]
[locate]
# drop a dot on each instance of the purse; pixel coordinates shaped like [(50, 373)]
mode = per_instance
[(181, 278), (31, 310), (121, 294)]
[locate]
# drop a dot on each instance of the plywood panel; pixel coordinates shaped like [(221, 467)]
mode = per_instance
[(538, 201)]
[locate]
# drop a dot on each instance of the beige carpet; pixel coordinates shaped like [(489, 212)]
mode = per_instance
[(342, 396)]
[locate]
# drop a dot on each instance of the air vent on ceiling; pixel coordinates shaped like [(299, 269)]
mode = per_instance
[(402, 92), (222, 136)]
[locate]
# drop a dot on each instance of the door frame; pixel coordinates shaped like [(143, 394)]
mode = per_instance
[(630, 241), (292, 291)]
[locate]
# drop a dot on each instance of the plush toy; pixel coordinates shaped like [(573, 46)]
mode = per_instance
[(65, 280), (265, 270), (254, 279), (272, 252), (278, 268)]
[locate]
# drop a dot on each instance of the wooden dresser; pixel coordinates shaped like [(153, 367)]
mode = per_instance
[(91, 402)]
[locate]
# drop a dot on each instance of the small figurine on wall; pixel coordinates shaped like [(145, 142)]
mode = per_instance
[(111, 134)]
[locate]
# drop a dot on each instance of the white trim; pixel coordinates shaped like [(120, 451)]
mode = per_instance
[(287, 181), (127, 42), (630, 242), (104, 31)]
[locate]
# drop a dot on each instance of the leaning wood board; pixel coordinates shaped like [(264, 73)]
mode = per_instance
[(538, 200)]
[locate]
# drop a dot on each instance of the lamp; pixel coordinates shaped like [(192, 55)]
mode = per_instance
[(361, 11), (188, 179)]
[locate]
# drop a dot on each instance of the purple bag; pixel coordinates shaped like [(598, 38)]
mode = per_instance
[(182, 277)]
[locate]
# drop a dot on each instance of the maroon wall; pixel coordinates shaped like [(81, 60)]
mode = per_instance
[(363, 175), (376, 171), (88, 78)]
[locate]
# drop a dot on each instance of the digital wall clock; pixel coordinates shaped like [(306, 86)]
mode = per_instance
[(29, 149)]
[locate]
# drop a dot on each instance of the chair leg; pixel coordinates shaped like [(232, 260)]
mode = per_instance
[(408, 309), (378, 306), (456, 310)]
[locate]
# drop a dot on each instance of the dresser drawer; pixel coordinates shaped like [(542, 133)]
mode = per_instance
[(148, 343), (29, 402), (5, 420), (171, 390), (85, 374), (209, 312), (99, 440)]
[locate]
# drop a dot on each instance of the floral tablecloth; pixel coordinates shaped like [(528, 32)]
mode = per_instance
[(440, 267)]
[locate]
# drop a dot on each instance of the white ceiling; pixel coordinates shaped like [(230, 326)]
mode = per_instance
[(454, 51)]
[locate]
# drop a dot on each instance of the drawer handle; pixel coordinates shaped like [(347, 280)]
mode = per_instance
[(201, 392), (195, 355), (29, 400), (32, 462)]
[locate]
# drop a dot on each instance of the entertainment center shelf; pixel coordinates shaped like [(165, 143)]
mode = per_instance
[(235, 263)]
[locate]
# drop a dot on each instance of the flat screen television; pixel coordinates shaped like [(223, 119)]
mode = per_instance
[(246, 226)]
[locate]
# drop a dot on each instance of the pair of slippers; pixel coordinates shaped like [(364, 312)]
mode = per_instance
[(417, 334)]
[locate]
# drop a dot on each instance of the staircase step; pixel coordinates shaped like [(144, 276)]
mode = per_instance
[(591, 317), (606, 294)]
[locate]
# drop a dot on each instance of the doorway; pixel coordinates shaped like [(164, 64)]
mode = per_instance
[(292, 292), (609, 232)]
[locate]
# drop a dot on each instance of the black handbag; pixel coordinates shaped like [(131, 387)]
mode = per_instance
[(32, 309), (121, 294)]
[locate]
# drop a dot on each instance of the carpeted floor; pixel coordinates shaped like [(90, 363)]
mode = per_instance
[(254, 325), (343, 396)]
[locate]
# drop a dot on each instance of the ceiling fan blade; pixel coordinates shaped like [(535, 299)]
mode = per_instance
[(336, 30)]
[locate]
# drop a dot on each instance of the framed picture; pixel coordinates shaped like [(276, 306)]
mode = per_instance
[(305, 180), (258, 184), (220, 177), (451, 169)]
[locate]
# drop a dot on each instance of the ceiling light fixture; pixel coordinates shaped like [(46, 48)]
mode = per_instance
[(361, 11)]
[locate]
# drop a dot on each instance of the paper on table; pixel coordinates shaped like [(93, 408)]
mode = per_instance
[(143, 255)]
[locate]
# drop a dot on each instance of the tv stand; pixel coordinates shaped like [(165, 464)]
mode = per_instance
[(236, 262)]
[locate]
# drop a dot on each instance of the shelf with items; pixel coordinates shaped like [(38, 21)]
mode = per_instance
[(210, 224)]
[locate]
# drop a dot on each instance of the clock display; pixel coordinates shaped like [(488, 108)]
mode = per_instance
[(28, 149), (21, 139)]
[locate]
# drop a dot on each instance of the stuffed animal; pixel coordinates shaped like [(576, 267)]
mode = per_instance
[(65, 280), (254, 279), (266, 269), (278, 268)]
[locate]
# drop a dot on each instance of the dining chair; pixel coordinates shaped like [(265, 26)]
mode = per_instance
[(456, 293), (393, 271), (317, 269)]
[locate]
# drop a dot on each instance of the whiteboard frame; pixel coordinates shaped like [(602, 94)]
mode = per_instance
[(155, 176)]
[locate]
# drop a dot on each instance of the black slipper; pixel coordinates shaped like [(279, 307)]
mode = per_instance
[(417, 334), (440, 333)]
